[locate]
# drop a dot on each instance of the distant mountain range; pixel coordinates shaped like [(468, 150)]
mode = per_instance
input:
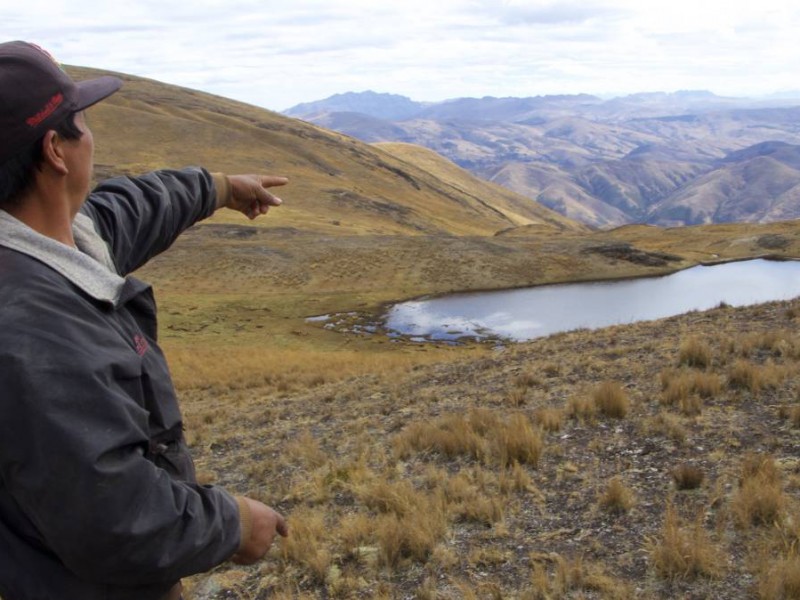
[(667, 159)]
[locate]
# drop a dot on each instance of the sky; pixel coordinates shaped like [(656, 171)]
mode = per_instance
[(276, 54)]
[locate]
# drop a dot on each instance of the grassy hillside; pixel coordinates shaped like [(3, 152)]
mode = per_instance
[(338, 183), (622, 463)]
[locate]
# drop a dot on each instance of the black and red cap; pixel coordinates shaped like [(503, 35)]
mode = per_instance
[(36, 94)]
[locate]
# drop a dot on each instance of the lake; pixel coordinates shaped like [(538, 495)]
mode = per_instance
[(524, 314)]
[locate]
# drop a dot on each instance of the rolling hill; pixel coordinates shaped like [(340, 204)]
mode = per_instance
[(338, 183)]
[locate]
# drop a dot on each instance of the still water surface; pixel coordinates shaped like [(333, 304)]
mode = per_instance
[(525, 314)]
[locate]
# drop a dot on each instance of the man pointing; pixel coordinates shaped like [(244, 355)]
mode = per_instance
[(98, 497)]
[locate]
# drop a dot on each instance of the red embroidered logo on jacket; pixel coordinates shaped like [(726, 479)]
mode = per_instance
[(141, 344), (48, 110)]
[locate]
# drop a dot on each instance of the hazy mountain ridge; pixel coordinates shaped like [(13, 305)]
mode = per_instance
[(338, 184), (639, 158)]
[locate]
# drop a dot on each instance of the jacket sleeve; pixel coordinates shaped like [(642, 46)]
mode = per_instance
[(72, 444), (142, 216)]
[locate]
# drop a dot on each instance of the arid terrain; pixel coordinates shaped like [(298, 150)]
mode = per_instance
[(650, 461), (655, 460), (683, 158)]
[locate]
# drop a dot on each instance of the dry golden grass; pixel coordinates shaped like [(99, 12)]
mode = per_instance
[(581, 409), (426, 477), (611, 400), (527, 379), (518, 441), (481, 435), (667, 425), (678, 386), (517, 397), (451, 436), (555, 578), (306, 545), (617, 498), (684, 551), (401, 539), (790, 413), (695, 352), (780, 580), (227, 367), (760, 499), (687, 477), (745, 375), (549, 419)]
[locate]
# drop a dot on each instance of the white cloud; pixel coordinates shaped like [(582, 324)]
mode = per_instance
[(276, 54)]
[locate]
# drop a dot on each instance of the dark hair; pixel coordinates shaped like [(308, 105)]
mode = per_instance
[(17, 174)]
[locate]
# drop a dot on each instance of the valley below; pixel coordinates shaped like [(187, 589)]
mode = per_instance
[(547, 469)]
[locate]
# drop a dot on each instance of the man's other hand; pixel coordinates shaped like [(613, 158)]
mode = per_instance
[(266, 524)]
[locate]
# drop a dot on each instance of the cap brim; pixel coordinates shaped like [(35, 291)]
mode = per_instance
[(93, 90)]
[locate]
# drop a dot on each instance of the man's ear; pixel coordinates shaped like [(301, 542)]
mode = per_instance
[(53, 152)]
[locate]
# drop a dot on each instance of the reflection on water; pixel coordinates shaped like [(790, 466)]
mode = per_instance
[(534, 312)]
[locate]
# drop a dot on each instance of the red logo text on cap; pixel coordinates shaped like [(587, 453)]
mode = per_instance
[(48, 110)]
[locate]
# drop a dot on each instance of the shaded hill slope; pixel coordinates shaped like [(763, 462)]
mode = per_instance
[(760, 183)]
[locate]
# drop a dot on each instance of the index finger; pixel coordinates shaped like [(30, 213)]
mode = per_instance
[(273, 180), (282, 527)]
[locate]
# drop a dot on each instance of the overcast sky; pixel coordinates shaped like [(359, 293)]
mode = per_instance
[(277, 54)]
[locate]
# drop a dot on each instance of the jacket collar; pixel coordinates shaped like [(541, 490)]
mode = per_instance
[(89, 267)]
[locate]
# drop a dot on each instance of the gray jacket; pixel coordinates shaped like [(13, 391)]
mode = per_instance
[(98, 497)]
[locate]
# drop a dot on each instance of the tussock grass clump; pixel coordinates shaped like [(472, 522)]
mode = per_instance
[(691, 406), (794, 417), (677, 386), (666, 424), (407, 538), (611, 400), (409, 523), (695, 352), (687, 477), (581, 409), (307, 545), (451, 436), (306, 451), (549, 419), (486, 510), (744, 375), (781, 580), (527, 379), (617, 498), (707, 385), (515, 479), (792, 414), (760, 499), (684, 552), (517, 397), (519, 442), (354, 533), (481, 435), (566, 577), (398, 497), (777, 343)]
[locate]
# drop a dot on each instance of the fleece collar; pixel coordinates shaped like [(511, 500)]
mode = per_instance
[(89, 266)]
